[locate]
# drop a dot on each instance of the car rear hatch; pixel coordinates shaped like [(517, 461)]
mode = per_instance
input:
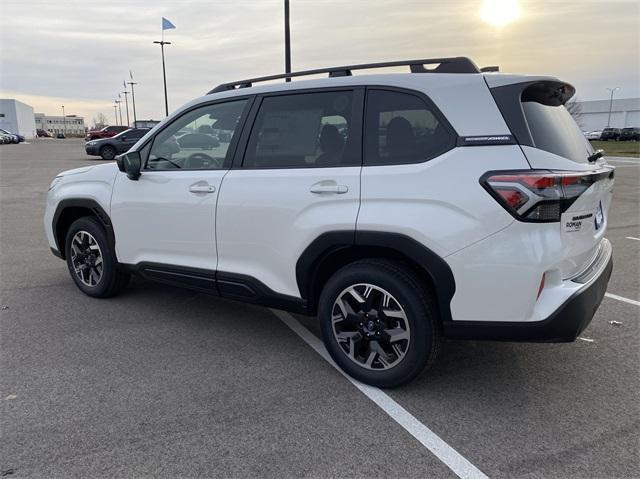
[(568, 184)]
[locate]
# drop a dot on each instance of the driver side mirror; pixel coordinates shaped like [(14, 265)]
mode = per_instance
[(131, 164)]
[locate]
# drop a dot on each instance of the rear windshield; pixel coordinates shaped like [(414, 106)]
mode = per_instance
[(554, 130)]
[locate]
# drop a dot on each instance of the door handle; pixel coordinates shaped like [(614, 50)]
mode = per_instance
[(338, 189), (202, 189)]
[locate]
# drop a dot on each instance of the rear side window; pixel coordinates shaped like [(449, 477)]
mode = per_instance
[(402, 128), (304, 130), (554, 130)]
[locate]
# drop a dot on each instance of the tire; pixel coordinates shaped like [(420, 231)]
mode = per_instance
[(91, 262), (411, 314), (108, 152)]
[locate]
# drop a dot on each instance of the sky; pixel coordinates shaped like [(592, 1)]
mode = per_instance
[(77, 53)]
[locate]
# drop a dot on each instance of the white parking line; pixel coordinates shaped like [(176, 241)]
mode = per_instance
[(632, 238), (620, 298), (633, 162), (443, 451)]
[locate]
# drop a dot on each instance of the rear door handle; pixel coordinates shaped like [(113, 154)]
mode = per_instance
[(320, 188), (202, 189)]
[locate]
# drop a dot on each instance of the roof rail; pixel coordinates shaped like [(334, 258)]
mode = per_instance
[(445, 65)]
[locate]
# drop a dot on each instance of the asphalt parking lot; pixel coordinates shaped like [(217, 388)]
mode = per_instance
[(167, 382)]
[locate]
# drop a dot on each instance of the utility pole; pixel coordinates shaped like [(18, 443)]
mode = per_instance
[(612, 90), (133, 99), (115, 112), (126, 103), (287, 41), (164, 75), (64, 121), (119, 109)]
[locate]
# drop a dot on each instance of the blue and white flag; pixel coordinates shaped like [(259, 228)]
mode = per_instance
[(166, 24)]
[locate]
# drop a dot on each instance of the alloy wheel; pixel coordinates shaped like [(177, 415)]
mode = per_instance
[(370, 326), (86, 258)]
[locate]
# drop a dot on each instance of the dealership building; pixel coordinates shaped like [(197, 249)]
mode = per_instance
[(17, 117), (70, 125), (625, 112)]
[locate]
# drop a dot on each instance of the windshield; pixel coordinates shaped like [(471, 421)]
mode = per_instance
[(553, 129)]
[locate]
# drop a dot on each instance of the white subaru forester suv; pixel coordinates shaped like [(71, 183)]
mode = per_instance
[(402, 208)]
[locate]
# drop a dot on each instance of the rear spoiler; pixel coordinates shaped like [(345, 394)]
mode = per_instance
[(510, 97)]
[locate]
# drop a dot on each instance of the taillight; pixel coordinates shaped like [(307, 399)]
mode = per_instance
[(539, 195)]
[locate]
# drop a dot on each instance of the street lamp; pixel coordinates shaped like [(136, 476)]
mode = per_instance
[(115, 112), (64, 122), (126, 102), (612, 90), (133, 99), (119, 109)]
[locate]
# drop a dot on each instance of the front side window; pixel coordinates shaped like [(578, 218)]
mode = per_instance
[(402, 128), (198, 140), (303, 130)]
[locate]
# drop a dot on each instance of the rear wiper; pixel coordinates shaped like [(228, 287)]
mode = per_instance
[(596, 156)]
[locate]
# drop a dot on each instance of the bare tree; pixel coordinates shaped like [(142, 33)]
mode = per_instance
[(575, 109), (100, 121)]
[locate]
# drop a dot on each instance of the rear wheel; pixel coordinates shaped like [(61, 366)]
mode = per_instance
[(379, 322), (91, 262), (108, 152)]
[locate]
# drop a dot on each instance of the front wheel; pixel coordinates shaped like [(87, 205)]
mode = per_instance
[(91, 262), (108, 152), (379, 322)]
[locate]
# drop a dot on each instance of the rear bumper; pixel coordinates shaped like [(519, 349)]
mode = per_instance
[(563, 325)]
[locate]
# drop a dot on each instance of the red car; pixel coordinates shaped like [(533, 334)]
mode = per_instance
[(106, 132)]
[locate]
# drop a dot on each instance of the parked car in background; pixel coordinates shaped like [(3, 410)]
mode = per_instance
[(610, 134), (43, 134), (108, 148), (15, 136), (630, 134), (106, 132), (5, 139), (593, 135), (60, 136)]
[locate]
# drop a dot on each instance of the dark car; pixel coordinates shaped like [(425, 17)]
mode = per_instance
[(60, 136), (43, 133), (630, 134), (16, 137), (198, 140), (108, 148), (106, 132), (610, 134)]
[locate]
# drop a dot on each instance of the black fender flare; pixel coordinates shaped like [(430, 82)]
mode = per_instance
[(89, 204), (329, 243)]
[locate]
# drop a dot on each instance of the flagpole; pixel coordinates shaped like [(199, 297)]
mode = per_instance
[(115, 111), (287, 41), (164, 73)]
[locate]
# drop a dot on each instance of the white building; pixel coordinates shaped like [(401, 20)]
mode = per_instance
[(625, 112), (70, 125), (17, 117)]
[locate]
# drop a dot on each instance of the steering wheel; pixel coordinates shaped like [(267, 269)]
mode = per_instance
[(202, 161)]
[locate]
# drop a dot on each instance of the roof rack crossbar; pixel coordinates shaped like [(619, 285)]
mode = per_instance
[(444, 65)]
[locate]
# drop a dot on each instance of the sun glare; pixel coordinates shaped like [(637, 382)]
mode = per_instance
[(500, 12)]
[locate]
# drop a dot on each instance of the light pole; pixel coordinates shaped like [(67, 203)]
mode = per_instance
[(287, 41), (612, 90), (64, 122), (115, 112), (119, 109), (133, 98), (126, 103), (164, 75)]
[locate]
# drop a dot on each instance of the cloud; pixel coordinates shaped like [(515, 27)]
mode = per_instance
[(79, 52)]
